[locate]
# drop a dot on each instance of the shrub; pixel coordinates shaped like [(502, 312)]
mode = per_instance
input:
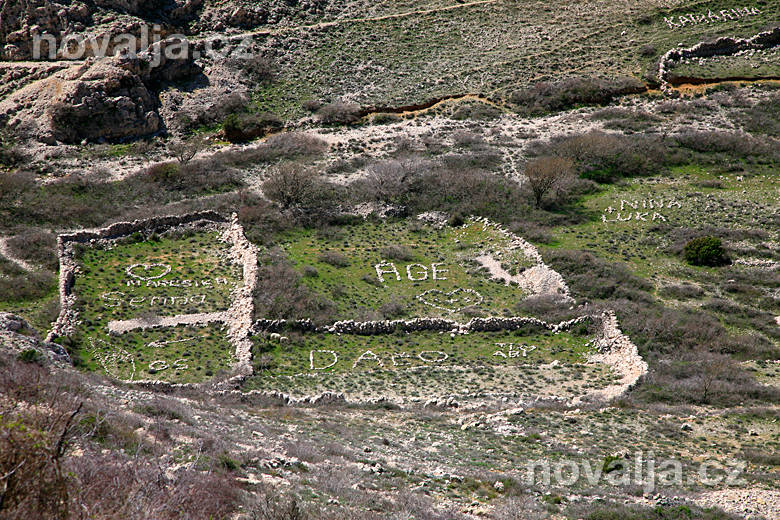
[(185, 151), (10, 154), (259, 68), (243, 127), (546, 173), (294, 186), (605, 157), (736, 144), (30, 355), (591, 277), (553, 96), (397, 252), (334, 258), (475, 111), (280, 293), (312, 105), (705, 250), (163, 172), (37, 246), (339, 113)]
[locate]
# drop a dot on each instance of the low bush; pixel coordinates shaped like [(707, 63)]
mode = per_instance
[(591, 277), (607, 157), (704, 378), (763, 117), (18, 285), (280, 293), (733, 144), (397, 252), (339, 113), (298, 188), (243, 127), (601, 511), (334, 258), (705, 251), (36, 246), (546, 97), (683, 291), (547, 174)]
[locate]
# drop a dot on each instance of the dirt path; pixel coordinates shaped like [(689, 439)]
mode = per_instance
[(6, 252), (121, 326)]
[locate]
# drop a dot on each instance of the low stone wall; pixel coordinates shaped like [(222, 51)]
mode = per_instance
[(241, 312), (615, 349), (619, 352), (381, 327), (721, 47)]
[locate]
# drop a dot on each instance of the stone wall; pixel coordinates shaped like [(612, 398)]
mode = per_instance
[(239, 316), (380, 327), (721, 47)]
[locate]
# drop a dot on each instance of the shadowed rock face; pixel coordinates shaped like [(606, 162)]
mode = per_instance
[(111, 98), (20, 20)]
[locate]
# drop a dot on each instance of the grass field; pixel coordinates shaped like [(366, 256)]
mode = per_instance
[(744, 295), (429, 365), (491, 48), (761, 64), (340, 264)]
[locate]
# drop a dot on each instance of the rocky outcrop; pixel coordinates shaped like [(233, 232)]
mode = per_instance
[(17, 335), (104, 99), (20, 20)]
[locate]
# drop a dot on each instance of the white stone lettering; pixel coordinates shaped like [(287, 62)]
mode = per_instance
[(422, 274), (323, 367), (368, 355), (386, 268), (436, 271), (427, 356)]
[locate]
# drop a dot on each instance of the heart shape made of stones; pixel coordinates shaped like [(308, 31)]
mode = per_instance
[(454, 301), (148, 271)]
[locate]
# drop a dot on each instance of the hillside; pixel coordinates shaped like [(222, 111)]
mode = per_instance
[(389, 260)]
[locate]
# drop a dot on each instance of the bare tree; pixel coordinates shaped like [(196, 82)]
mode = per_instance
[(545, 173), (185, 151), (291, 185)]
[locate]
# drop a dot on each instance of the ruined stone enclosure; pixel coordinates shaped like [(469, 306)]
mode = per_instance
[(166, 300), (172, 301), (420, 310)]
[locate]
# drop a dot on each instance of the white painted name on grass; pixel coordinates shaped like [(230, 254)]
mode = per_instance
[(724, 15), (645, 210), (118, 299), (414, 272)]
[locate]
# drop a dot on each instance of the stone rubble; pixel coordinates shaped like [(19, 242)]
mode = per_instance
[(721, 47)]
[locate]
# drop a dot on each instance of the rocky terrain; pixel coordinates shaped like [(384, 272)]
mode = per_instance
[(405, 259)]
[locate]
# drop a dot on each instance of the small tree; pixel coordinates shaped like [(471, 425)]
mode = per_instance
[(185, 151), (291, 185), (545, 173), (705, 250)]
